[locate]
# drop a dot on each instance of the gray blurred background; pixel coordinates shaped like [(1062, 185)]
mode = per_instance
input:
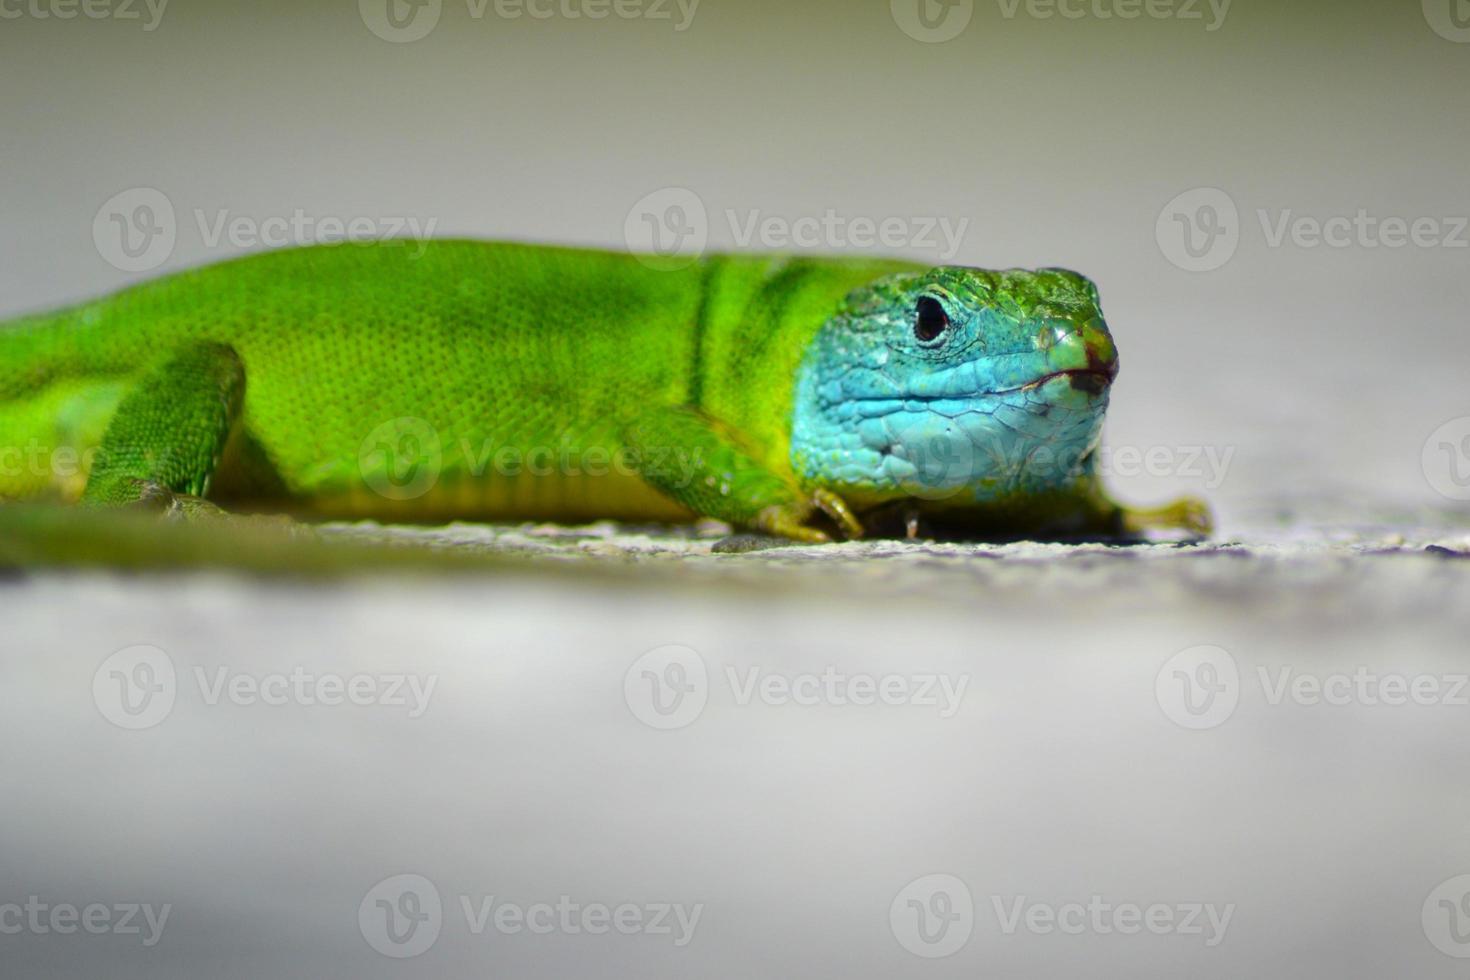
[(1060, 141), (1326, 381)]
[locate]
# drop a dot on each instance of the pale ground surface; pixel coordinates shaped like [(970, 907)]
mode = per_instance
[(1052, 770)]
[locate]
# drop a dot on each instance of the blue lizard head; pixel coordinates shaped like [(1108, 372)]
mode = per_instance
[(955, 387)]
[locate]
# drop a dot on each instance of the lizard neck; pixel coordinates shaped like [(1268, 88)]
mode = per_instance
[(758, 316)]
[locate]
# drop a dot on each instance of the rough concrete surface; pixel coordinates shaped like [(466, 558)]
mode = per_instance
[(832, 762)]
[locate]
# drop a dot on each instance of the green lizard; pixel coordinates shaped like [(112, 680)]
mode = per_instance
[(800, 397)]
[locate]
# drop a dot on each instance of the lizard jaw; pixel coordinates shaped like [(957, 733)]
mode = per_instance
[(1093, 381)]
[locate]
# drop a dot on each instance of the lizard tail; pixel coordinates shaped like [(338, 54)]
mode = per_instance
[(53, 404)]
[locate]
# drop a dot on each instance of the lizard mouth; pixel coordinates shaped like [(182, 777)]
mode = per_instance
[(1092, 380)]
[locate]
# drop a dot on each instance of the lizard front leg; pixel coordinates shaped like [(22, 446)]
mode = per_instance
[(165, 440), (700, 463)]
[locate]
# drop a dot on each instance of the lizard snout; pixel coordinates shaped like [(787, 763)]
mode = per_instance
[(1083, 353)]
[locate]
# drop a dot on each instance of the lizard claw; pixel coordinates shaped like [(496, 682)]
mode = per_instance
[(836, 508), (787, 522)]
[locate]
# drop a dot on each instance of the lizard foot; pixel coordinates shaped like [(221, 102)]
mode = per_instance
[(1188, 514), (188, 508), (790, 520)]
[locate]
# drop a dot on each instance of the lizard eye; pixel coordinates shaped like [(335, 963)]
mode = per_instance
[(930, 320)]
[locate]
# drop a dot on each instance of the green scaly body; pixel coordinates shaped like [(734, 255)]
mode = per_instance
[(433, 381)]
